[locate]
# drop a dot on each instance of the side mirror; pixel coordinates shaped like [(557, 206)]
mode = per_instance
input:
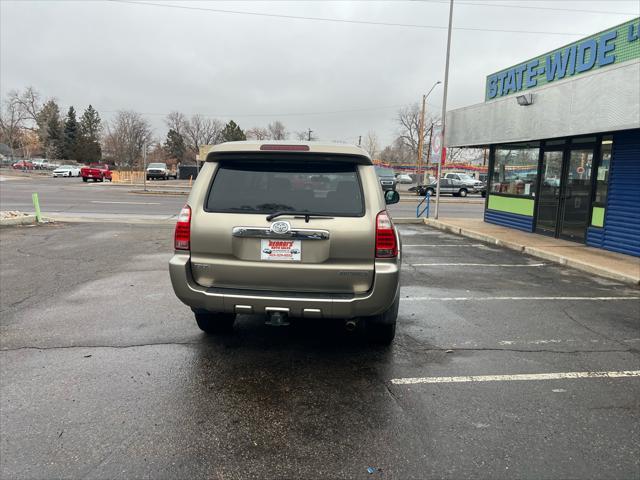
[(391, 196)]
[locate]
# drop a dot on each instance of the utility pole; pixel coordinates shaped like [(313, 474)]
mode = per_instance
[(444, 106), (429, 147), (309, 139), (421, 132), (144, 165), (421, 139), (360, 141)]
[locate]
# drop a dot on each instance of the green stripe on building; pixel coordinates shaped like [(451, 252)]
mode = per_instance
[(597, 217), (519, 206)]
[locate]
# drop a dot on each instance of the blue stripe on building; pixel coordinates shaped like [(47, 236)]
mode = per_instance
[(621, 231), (512, 220)]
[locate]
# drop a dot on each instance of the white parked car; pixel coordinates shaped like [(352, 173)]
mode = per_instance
[(66, 171), (404, 178)]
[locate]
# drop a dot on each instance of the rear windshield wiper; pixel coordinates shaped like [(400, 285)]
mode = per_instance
[(306, 215)]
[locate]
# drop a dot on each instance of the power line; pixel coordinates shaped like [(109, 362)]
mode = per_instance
[(529, 7), (275, 115), (341, 20)]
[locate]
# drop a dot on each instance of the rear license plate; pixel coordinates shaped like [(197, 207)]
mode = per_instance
[(290, 250)]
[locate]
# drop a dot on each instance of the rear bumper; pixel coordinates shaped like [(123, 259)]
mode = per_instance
[(377, 300)]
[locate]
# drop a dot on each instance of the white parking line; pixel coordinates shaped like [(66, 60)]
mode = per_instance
[(446, 245), (475, 265), (517, 377), (464, 299), (127, 203)]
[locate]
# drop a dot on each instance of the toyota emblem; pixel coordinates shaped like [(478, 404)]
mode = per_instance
[(280, 227)]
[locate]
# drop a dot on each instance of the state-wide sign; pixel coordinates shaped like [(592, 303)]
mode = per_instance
[(616, 45)]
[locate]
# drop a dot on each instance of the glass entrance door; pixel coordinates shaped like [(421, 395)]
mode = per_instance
[(550, 189), (576, 194)]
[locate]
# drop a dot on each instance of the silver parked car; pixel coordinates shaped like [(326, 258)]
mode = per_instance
[(288, 230)]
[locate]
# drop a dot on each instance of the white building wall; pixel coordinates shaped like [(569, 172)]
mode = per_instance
[(600, 101)]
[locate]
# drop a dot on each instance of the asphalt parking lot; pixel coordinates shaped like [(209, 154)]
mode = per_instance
[(71, 198), (105, 374)]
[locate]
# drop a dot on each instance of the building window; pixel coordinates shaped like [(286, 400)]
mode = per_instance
[(515, 169), (602, 179)]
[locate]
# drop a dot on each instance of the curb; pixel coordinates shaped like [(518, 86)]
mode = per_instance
[(15, 221), (24, 220), (415, 198), (127, 220), (407, 221), (157, 192), (534, 252)]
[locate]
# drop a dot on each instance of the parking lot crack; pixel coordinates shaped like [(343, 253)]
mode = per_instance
[(595, 332), (71, 347)]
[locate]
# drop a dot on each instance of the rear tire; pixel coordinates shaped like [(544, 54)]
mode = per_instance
[(85, 179), (215, 323), (462, 193), (381, 329)]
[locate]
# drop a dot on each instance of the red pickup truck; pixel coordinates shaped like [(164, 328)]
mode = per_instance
[(99, 173)]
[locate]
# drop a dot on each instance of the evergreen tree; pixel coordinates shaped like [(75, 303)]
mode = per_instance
[(50, 129), (88, 147), (70, 136), (232, 132), (174, 145)]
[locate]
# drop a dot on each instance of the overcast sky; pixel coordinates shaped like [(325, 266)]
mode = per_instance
[(339, 79)]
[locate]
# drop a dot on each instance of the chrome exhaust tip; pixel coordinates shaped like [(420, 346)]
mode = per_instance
[(350, 325)]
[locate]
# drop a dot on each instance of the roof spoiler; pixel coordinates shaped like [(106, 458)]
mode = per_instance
[(269, 155)]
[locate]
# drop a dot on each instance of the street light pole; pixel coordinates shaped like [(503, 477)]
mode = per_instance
[(444, 106), (421, 139), (421, 133)]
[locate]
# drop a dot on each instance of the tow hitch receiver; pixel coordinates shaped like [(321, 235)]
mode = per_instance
[(277, 318)]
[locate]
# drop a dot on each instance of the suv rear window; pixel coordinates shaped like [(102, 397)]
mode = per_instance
[(265, 187)]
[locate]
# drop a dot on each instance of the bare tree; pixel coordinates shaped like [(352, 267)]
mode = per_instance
[(199, 131), (12, 120), (464, 155), (397, 152), (304, 135), (277, 131), (126, 136), (176, 121), (409, 120), (371, 143), (258, 133), (30, 103)]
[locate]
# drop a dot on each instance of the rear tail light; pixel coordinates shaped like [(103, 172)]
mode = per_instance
[(386, 243), (182, 237)]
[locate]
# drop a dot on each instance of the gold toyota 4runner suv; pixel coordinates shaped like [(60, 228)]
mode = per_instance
[(288, 230)]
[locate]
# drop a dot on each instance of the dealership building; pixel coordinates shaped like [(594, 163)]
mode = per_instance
[(563, 132)]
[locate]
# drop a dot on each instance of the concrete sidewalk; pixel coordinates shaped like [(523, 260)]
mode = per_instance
[(612, 265)]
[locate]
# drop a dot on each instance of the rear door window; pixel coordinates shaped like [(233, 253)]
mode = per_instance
[(265, 187)]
